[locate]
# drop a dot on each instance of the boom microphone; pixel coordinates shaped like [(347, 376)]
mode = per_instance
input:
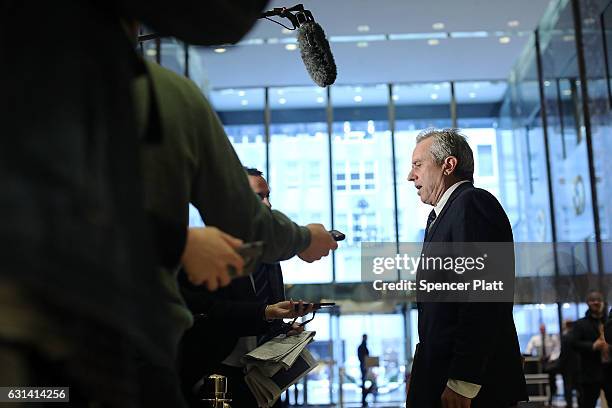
[(314, 47), (316, 54)]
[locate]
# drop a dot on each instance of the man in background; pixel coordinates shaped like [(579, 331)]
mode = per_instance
[(363, 353), (595, 365), (548, 348), (234, 321), (569, 364)]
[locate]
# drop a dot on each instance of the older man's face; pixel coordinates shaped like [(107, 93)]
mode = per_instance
[(426, 174)]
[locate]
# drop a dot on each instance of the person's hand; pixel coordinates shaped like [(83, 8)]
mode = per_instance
[(600, 344), (450, 399), (295, 330), (208, 254), (321, 242), (287, 310)]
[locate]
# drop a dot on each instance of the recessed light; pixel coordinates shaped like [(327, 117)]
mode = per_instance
[(358, 98), (567, 92), (438, 26), (244, 102), (589, 21), (282, 101), (472, 95), (513, 23), (433, 41), (362, 44), (220, 50), (504, 40), (291, 47), (286, 31), (241, 93), (434, 96), (151, 52), (363, 28), (568, 37), (395, 97), (320, 99), (546, 83)]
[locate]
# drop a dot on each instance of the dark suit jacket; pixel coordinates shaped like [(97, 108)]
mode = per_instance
[(221, 318), (608, 329), (473, 342), (584, 334)]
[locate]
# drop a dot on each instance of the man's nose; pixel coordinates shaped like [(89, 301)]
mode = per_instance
[(411, 175)]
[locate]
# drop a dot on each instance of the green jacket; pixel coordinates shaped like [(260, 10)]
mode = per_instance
[(196, 163)]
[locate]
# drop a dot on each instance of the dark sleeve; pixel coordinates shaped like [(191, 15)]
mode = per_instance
[(580, 341), (608, 329), (230, 316), (222, 194), (480, 219), (201, 22)]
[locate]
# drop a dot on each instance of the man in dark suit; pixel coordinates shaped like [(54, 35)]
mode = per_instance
[(595, 353), (235, 320), (468, 354)]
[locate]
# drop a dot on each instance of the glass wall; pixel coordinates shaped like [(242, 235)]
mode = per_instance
[(362, 173)]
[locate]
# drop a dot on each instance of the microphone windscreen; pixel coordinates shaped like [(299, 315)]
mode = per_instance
[(316, 54)]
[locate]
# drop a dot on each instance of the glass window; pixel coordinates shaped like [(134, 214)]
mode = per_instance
[(242, 114), (361, 146), (299, 169), (417, 107), (484, 155)]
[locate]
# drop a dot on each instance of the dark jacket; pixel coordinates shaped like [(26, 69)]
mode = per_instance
[(584, 334), (221, 318), (362, 354), (569, 359), (473, 342), (608, 329)]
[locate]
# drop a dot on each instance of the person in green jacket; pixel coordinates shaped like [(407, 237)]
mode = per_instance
[(196, 163)]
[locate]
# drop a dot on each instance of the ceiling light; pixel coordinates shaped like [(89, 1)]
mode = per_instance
[(568, 38), (358, 98), (151, 52), (320, 99), (589, 21), (244, 102), (434, 96), (433, 41), (362, 44), (220, 50), (241, 93), (504, 40), (438, 26), (472, 95), (513, 23), (280, 92), (395, 97), (291, 47), (282, 101), (567, 92), (436, 87), (546, 83), (286, 31), (363, 28)]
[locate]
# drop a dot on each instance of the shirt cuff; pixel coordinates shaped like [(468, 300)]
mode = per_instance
[(464, 388)]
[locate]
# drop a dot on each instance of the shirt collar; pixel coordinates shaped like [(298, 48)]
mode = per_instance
[(440, 206)]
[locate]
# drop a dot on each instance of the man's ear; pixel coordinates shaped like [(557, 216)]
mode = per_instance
[(449, 165)]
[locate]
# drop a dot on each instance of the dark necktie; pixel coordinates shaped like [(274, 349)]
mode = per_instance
[(262, 286), (430, 220), (544, 351)]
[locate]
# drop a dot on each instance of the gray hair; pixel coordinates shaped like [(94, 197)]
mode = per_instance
[(450, 142)]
